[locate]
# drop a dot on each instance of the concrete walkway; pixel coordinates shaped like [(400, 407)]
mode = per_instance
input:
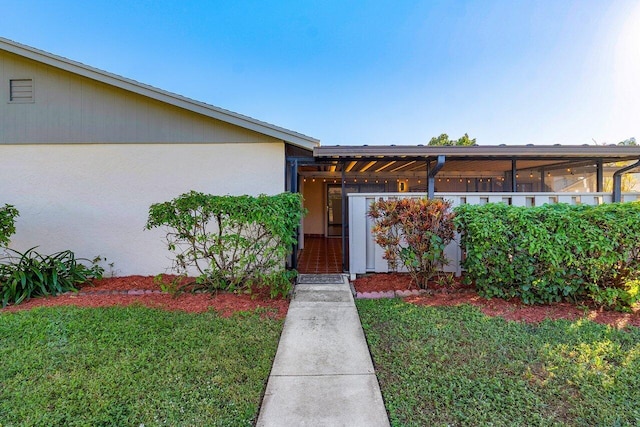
[(322, 374)]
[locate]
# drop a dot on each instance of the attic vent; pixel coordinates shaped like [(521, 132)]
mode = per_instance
[(21, 90)]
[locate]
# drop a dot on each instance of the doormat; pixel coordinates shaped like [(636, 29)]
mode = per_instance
[(319, 279)]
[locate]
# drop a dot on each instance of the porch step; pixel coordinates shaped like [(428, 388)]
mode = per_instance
[(320, 279)]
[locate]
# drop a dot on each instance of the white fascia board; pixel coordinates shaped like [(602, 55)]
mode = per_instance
[(130, 85)]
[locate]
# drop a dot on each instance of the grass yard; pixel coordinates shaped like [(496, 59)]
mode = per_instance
[(457, 366), (132, 366)]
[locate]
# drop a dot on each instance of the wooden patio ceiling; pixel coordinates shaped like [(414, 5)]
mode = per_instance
[(450, 166), (488, 159)]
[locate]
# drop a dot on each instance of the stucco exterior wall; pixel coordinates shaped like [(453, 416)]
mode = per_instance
[(94, 198)]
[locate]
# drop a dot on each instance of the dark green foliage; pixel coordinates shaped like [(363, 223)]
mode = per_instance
[(30, 274), (553, 252), (132, 366), (8, 215), (234, 242), (443, 140), (454, 366)]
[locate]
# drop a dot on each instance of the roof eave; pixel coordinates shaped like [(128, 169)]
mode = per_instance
[(230, 117), (486, 151)]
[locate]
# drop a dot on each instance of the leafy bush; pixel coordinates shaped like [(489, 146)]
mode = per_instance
[(414, 232), (553, 252), (234, 242), (8, 215), (30, 274)]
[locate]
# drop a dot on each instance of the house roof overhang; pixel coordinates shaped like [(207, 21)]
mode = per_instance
[(481, 160), (609, 153), (286, 135)]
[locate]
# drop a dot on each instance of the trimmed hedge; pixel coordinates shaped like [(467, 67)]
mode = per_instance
[(553, 252)]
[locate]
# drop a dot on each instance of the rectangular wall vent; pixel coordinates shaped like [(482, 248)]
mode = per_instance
[(21, 90)]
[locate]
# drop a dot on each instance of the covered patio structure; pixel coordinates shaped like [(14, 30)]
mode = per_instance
[(336, 177)]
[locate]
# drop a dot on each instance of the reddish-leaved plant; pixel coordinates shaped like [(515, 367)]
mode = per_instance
[(413, 231)]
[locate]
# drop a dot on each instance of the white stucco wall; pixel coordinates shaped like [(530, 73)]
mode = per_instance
[(94, 198)]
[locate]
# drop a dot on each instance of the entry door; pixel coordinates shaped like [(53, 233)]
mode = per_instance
[(334, 210), (334, 204)]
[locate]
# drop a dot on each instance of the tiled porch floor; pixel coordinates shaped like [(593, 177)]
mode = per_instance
[(321, 256)]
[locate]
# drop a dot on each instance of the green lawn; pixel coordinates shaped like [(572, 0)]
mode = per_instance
[(456, 366), (128, 366)]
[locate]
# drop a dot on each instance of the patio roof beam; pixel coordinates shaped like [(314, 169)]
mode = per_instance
[(344, 219), (431, 181), (293, 188), (617, 181), (599, 176)]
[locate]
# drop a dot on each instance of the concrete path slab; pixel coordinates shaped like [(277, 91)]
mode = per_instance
[(334, 400), (322, 374), (324, 295), (322, 341)]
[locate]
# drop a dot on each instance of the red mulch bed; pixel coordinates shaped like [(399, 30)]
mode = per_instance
[(513, 309), (113, 291)]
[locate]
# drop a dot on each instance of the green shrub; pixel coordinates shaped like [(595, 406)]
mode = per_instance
[(553, 252), (8, 215), (414, 232), (236, 243), (30, 274)]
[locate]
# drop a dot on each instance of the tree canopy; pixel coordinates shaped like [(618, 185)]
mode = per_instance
[(443, 139), (630, 141)]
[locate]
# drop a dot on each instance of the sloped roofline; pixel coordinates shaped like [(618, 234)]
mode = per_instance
[(208, 110)]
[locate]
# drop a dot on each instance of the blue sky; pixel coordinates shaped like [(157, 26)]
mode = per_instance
[(370, 72)]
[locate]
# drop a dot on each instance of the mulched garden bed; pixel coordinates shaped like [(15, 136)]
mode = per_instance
[(388, 285), (142, 290)]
